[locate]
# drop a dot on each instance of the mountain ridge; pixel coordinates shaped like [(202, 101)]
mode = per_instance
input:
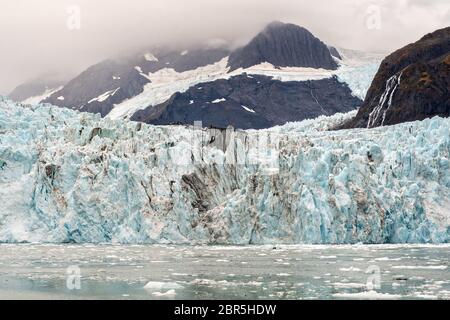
[(132, 86), (283, 45)]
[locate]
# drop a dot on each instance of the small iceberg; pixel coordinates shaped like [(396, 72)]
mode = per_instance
[(160, 286)]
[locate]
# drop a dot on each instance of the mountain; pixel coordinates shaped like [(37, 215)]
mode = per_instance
[(252, 102), (100, 86), (110, 82), (67, 176), (283, 74), (283, 45), (260, 96), (37, 90), (412, 84), (248, 99)]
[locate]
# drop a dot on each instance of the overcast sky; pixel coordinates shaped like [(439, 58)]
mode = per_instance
[(41, 36)]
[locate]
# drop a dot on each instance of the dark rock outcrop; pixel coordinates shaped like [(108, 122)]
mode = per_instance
[(284, 45), (412, 84), (252, 102)]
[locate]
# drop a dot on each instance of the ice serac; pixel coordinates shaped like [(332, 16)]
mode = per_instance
[(284, 45), (412, 84), (67, 176)]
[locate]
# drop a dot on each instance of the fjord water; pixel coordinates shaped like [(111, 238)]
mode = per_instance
[(29, 271)]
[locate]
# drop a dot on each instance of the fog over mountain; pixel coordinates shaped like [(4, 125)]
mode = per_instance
[(42, 37)]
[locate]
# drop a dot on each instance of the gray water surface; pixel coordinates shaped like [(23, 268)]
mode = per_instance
[(30, 271)]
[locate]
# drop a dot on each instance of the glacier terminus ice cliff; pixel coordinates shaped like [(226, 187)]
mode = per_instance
[(67, 176)]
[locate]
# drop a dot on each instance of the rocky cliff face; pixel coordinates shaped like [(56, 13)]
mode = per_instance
[(412, 84), (284, 45)]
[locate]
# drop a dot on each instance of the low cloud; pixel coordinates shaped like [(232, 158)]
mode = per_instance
[(42, 37)]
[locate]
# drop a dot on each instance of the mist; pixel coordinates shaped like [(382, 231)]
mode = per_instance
[(60, 38)]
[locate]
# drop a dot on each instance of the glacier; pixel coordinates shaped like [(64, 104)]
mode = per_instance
[(67, 176)]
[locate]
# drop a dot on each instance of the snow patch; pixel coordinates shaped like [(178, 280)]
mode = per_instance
[(39, 98), (219, 100), (150, 57), (104, 96), (248, 109)]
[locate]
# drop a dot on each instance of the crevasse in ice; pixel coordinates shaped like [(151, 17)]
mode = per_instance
[(74, 177)]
